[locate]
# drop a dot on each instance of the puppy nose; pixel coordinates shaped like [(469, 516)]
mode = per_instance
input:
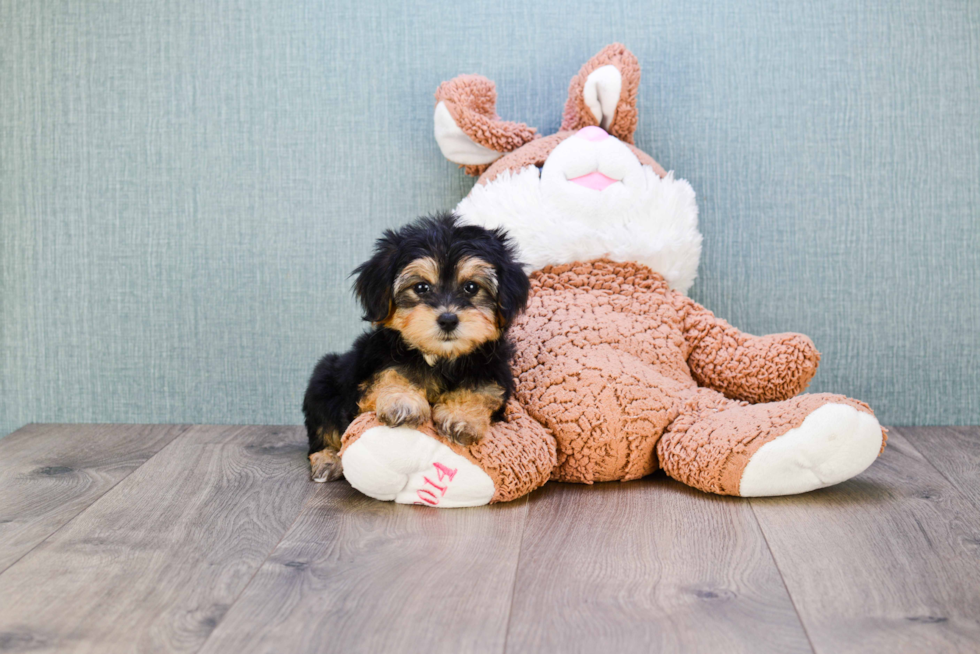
[(592, 133), (448, 321)]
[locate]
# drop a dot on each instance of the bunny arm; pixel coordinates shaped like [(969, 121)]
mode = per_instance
[(742, 366)]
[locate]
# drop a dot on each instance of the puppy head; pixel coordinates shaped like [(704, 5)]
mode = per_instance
[(447, 288)]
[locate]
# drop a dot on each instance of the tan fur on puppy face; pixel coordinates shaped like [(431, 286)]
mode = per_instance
[(420, 270), (419, 329), (476, 326), (479, 271), (416, 320)]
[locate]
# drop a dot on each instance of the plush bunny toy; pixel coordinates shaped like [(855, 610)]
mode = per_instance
[(618, 373)]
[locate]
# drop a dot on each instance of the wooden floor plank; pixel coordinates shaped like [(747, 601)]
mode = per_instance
[(357, 575), (886, 562), (51, 473), (954, 451), (154, 564), (647, 566), (127, 538)]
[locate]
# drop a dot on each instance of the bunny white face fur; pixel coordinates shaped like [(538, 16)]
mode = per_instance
[(584, 193), (638, 217)]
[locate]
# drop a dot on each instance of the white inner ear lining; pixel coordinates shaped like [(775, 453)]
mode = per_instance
[(601, 93), (456, 145)]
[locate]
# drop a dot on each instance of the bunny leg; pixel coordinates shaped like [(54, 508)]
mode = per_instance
[(778, 448), (418, 466)]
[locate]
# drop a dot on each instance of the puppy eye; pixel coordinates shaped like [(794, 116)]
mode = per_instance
[(421, 288), (470, 288)]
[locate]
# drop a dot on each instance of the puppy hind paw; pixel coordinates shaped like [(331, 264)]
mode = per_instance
[(325, 466)]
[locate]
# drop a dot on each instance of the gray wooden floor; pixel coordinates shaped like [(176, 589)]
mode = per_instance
[(122, 538)]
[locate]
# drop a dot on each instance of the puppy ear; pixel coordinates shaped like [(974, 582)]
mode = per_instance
[(467, 127), (513, 285), (604, 93), (375, 278)]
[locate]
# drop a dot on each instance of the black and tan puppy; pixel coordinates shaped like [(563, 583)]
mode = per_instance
[(439, 296)]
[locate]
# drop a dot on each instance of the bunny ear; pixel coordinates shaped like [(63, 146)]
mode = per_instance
[(467, 127), (604, 93)]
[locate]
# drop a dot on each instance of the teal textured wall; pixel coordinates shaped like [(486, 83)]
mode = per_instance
[(185, 185)]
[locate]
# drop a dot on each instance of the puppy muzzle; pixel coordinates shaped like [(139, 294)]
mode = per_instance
[(448, 321)]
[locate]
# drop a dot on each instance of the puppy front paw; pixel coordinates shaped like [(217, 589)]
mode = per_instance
[(460, 426), (325, 466), (399, 409)]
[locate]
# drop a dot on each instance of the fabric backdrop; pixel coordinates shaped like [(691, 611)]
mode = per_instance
[(185, 185)]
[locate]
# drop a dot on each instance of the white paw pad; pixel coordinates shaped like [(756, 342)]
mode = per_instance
[(834, 443), (409, 467)]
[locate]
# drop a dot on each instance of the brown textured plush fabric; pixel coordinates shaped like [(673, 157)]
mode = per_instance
[(610, 361), (712, 440), (518, 454), (742, 366), (532, 154), (577, 113), (471, 101)]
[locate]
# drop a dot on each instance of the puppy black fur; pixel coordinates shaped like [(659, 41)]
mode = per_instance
[(440, 296)]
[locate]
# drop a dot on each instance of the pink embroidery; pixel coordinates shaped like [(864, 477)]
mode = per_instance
[(430, 498), (443, 471), (437, 486)]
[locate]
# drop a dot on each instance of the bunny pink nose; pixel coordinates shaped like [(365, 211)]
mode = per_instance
[(593, 133)]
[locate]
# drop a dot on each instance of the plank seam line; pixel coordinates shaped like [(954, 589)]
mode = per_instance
[(517, 571), (925, 457), (782, 578), (259, 567), (184, 430)]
